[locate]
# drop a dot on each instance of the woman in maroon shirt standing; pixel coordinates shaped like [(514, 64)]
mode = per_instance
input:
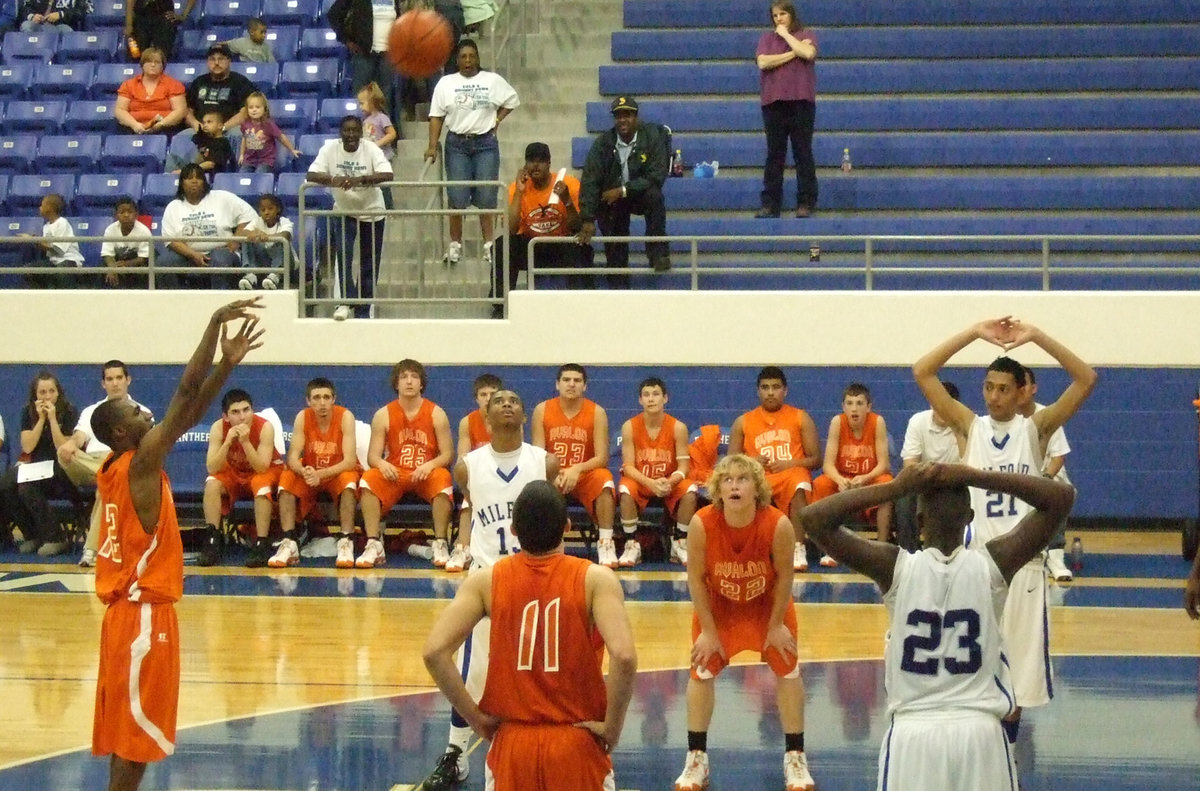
[(786, 58)]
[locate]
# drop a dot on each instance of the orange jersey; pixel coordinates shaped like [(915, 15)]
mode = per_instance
[(702, 452), (738, 572), (775, 435), (545, 657), (131, 563), (410, 442), (322, 450), (857, 456), (540, 217), (477, 430), (654, 458), (572, 440), (235, 458)]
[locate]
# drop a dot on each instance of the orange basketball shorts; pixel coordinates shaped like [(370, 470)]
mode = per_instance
[(389, 492), (307, 495), (749, 634), (590, 486), (547, 758), (641, 495), (784, 486), (246, 486)]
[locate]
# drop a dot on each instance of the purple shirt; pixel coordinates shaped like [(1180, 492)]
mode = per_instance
[(794, 80), (374, 127), (260, 138)]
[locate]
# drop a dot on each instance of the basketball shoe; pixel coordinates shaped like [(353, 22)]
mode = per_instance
[(460, 558), (795, 772), (453, 254), (451, 769), (632, 554), (288, 554), (606, 553), (345, 553), (441, 553), (679, 550), (372, 556), (828, 562), (695, 772), (800, 558)]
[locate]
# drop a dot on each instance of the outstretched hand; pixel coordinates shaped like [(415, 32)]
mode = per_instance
[(997, 331), (248, 337), (239, 309)]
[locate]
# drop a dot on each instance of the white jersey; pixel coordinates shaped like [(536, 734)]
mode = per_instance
[(493, 481), (944, 650), (1001, 447)]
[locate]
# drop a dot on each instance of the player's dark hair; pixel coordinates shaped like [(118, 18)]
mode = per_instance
[(539, 517), (771, 372), (576, 367), (652, 381), (1029, 375), (125, 200), (951, 388), (486, 380), (406, 365), (105, 419), (501, 391), (317, 383), (1007, 365), (113, 364), (856, 389), (233, 396)]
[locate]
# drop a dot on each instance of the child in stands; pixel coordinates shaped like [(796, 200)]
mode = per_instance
[(214, 154), (253, 47), (126, 244), (261, 138), (269, 235), (61, 256), (377, 127)]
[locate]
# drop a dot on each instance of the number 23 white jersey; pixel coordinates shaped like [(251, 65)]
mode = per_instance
[(494, 480), (1000, 447)]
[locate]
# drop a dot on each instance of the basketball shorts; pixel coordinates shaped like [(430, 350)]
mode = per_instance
[(547, 758), (824, 487), (307, 495), (948, 750), (246, 486), (1026, 630), (641, 495), (389, 492), (784, 486), (137, 690), (589, 488), (746, 635)]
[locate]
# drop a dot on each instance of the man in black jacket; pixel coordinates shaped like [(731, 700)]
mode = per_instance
[(624, 175), (60, 15)]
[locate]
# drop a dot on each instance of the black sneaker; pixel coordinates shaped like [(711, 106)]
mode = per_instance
[(214, 546), (445, 775), (260, 553)]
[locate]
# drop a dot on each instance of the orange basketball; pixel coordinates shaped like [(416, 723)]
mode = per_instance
[(419, 43)]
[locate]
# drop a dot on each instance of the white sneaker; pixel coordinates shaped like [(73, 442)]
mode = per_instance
[(606, 553), (800, 558), (679, 550), (828, 562), (795, 772), (441, 553), (248, 281), (345, 555), (88, 559), (288, 554), (271, 281), (372, 556), (453, 254), (488, 256), (460, 558), (1057, 565), (632, 555), (695, 772), (341, 313)]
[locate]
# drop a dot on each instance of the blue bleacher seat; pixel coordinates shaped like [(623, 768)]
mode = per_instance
[(61, 80), (43, 117), (107, 14), (14, 81), (230, 12), (284, 41), (158, 189), (291, 12), (67, 153), (320, 43), (138, 153), (90, 225), (29, 47), (186, 72), (308, 145), (247, 186), (18, 153), (97, 46), (25, 192), (332, 113), (319, 78), (263, 75), (294, 116), (97, 192), (90, 115), (109, 76), (193, 44), (182, 149), (24, 223)]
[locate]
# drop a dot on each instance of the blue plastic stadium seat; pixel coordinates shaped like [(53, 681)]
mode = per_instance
[(29, 47), (140, 153), (294, 116), (158, 189), (230, 12), (308, 146), (247, 186), (61, 80), (107, 14), (14, 254), (332, 113), (92, 224), (25, 192), (96, 46), (263, 75), (108, 77), (96, 193), (193, 43), (67, 153), (91, 115), (182, 149), (320, 43), (186, 72), (14, 81), (318, 78), (284, 41), (291, 12), (42, 117), (18, 153)]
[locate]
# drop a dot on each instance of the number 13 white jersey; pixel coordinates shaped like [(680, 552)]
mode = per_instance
[(494, 480), (1000, 447), (944, 649)]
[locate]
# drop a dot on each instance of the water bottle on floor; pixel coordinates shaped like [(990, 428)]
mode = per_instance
[(846, 165), (1076, 554)]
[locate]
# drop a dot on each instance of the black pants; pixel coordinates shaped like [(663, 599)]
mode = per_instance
[(783, 122), (548, 255), (155, 30), (613, 220), (28, 504)]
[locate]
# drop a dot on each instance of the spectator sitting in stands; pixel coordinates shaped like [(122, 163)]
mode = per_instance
[(126, 245), (8, 21), (220, 89), (259, 152), (201, 212), (268, 236), (214, 153), (153, 23), (623, 175), (927, 438), (153, 102), (60, 15), (252, 47), (61, 256)]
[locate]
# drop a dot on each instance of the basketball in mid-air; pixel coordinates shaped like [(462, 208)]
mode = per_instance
[(419, 43)]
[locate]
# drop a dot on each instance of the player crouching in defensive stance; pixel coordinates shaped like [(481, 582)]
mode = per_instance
[(946, 674), (740, 553), (551, 718)]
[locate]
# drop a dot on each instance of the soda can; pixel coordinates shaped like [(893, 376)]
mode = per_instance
[(814, 253)]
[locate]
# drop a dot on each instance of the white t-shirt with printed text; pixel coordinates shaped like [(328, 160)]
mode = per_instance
[(469, 104), (367, 160), (218, 213), (124, 246)]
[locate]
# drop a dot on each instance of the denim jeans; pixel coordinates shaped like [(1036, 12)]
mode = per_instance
[(472, 158)]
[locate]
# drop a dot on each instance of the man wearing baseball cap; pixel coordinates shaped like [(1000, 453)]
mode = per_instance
[(624, 175), (221, 89)]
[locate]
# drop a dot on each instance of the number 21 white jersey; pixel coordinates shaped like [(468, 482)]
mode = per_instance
[(494, 480), (1000, 447)]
